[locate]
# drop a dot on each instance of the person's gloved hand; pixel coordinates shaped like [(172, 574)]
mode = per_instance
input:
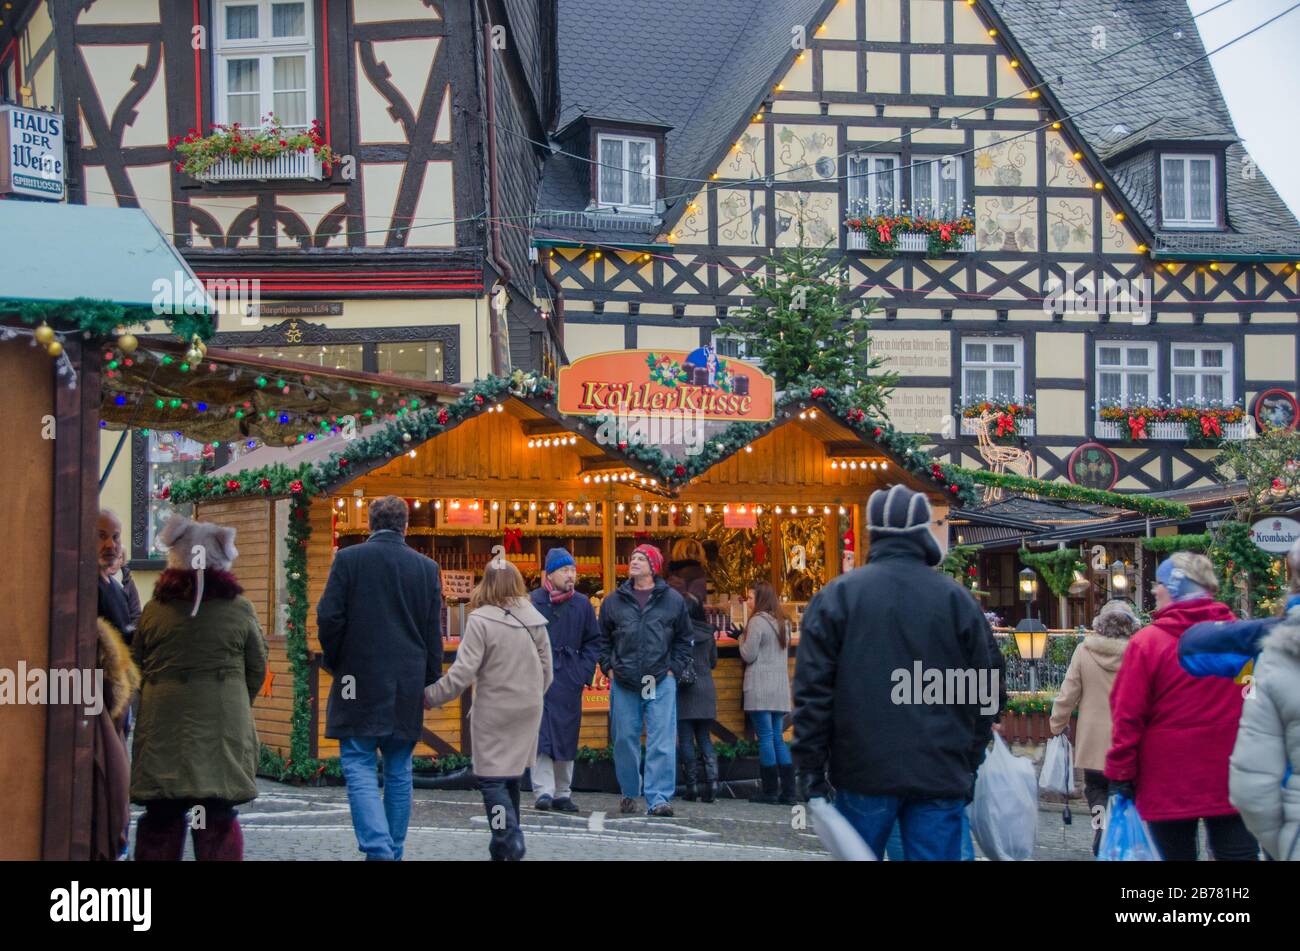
[(1125, 787), (814, 785)]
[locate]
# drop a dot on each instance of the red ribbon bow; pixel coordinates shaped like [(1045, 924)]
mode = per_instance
[(1137, 427), (945, 232), (1006, 425), (883, 230), (1210, 426), (513, 540)]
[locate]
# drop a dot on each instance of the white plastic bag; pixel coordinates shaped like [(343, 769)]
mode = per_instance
[(1058, 766), (838, 834), (1004, 815)]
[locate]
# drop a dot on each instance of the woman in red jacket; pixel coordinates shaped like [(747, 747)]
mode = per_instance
[(1173, 733)]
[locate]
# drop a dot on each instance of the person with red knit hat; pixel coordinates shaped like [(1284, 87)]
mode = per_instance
[(647, 631)]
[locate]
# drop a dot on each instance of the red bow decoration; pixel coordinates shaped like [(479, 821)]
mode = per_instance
[(1137, 427), (295, 485), (513, 540), (1210, 426), (1006, 425), (945, 232), (883, 230), (264, 483), (232, 485), (818, 391)]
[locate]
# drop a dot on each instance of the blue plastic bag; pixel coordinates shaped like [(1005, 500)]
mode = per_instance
[(1126, 837)]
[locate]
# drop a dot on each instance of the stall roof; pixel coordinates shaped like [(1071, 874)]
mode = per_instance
[(222, 399), (59, 252)]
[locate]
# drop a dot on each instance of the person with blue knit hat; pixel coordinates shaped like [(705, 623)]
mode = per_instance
[(575, 645)]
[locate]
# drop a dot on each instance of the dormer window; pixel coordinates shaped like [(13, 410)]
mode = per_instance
[(1189, 190), (626, 173)]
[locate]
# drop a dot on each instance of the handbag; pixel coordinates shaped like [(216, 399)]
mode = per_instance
[(687, 676)]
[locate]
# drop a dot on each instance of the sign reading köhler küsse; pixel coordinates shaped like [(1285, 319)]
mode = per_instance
[(1275, 534), (31, 153)]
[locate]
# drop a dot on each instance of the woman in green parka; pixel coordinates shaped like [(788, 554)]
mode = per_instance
[(202, 658)]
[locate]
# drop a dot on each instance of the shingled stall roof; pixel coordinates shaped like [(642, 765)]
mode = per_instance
[(1185, 107), (621, 61)]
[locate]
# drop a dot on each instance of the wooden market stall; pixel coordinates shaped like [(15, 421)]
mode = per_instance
[(501, 467)]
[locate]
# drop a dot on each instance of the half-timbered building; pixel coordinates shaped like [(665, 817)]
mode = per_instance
[(1086, 144)]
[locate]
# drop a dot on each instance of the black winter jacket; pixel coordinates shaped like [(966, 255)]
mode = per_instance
[(856, 685), (639, 644)]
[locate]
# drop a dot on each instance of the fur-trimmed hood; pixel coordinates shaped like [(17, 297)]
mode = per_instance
[(177, 584), (121, 675), (1106, 651)]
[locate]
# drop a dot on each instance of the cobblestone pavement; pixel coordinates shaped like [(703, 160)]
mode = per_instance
[(297, 823)]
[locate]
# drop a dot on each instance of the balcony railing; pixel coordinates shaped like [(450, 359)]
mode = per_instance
[(303, 166), (909, 241), (970, 427), (1170, 430)]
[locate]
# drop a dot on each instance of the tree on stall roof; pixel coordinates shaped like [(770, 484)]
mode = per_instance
[(803, 330)]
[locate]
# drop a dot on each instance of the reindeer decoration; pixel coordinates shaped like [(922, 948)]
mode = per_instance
[(1000, 458)]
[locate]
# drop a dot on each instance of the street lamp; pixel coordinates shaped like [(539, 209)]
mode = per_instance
[(1031, 641), (1028, 587), (1118, 578)]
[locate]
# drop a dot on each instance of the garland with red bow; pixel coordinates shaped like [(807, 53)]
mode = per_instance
[(1137, 427), (513, 540)]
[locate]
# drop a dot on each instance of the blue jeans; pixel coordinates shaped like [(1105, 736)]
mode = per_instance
[(772, 750), (380, 826), (930, 828), (627, 711), (894, 848)]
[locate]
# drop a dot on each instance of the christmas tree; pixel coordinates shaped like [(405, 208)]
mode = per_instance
[(803, 328)]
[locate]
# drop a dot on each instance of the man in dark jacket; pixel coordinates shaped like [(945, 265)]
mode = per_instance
[(575, 646), (897, 684), (379, 622), (647, 635)]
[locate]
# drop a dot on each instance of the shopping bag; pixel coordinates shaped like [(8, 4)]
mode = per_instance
[(1004, 815), (1058, 766), (837, 833), (1126, 837)]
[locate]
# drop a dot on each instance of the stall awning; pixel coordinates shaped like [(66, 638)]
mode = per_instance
[(230, 396)]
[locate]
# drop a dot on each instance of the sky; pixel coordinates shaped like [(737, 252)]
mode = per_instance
[(1260, 79)]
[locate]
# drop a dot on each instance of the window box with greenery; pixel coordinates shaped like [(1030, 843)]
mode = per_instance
[(885, 235), (1011, 418), (236, 154), (1204, 425)]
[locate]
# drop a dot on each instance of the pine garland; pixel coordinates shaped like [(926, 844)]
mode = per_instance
[(1068, 491), (101, 318), (1056, 567), (1168, 544)]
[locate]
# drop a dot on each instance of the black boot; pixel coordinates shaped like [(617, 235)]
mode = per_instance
[(500, 803), (709, 789), (789, 791), (690, 792), (768, 776)]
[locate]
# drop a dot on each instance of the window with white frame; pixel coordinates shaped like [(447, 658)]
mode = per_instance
[(1189, 191), (265, 63), (626, 173), (1202, 373), (1126, 373), (937, 186), (873, 184), (992, 368)]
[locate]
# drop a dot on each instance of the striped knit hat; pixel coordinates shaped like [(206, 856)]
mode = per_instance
[(900, 511)]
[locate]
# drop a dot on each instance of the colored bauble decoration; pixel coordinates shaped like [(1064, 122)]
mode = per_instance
[(127, 343), (406, 437), (55, 349), (193, 356), (44, 335)]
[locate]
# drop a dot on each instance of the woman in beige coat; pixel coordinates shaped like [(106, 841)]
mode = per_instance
[(1086, 688), (764, 647), (506, 655)]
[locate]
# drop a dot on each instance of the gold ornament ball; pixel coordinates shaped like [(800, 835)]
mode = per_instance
[(55, 349), (127, 343), (193, 355), (45, 335)]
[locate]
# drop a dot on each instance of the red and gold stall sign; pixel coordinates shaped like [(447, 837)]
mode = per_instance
[(666, 383), (596, 695)]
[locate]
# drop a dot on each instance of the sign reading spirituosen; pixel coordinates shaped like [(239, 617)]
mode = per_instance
[(666, 383)]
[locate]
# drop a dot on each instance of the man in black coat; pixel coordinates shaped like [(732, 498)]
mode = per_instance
[(896, 688), (575, 646), (379, 623)]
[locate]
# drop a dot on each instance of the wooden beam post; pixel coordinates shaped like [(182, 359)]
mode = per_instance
[(607, 547)]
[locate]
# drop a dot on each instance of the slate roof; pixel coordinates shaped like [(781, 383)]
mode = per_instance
[(700, 67), (1053, 36), (695, 66)]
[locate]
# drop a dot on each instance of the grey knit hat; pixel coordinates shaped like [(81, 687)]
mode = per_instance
[(900, 511)]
